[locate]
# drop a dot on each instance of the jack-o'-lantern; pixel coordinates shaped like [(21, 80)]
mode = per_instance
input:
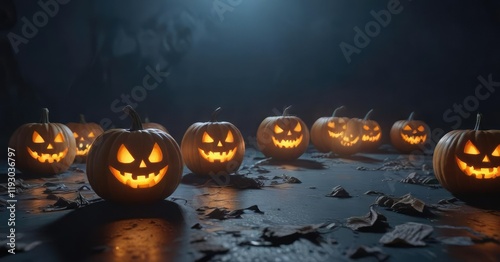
[(327, 128), (213, 147), (409, 135), (134, 165), (283, 137), (467, 162), (43, 148), (148, 124), (85, 134), (350, 142), (371, 133)]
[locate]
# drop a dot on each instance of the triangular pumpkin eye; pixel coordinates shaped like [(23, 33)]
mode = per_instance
[(496, 152), (37, 138), (407, 128), (331, 124), (75, 134), (207, 138), (59, 138), (229, 137), (421, 129), (91, 134), (298, 128), (124, 155), (470, 148), (278, 130), (365, 127), (156, 154), (376, 128)]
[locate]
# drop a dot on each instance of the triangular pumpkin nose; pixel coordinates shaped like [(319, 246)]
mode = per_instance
[(219, 144), (289, 133), (142, 164), (50, 146), (486, 159)]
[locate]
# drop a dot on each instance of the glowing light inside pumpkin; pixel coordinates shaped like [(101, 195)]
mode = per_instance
[(287, 143), (139, 179), (370, 137), (221, 156), (349, 141), (477, 171), (50, 158), (414, 138)]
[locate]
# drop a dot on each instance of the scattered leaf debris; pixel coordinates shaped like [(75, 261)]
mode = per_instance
[(339, 192), (420, 179), (365, 251), (374, 193), (371, 222), (408, 234), (406, 204), (285, 235), (222, 213)]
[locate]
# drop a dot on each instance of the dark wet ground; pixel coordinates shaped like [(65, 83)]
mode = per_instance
[(289, 218)]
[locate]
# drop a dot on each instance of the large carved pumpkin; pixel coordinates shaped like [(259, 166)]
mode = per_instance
[(467, 162), (409, 135), (283, 137), (85, 134), (328, 128), (43, 148), (148, 124), (350, 142), (213, 147), (134, 165)]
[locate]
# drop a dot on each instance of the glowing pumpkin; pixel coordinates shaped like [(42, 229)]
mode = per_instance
[(43, 148), (371, 133), (283, 137), (85, 134), (409, 135), (350, 142), (467, 162), (327, 128), (134, 165), (213, 147), (148, 124)]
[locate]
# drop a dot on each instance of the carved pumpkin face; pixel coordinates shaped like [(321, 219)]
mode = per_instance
[(371, 132), (43, 148), (283, 137), (326, 129), (84, 134), (213, 147), (408, 135), (350, 143), (134, 165), (468, 162)]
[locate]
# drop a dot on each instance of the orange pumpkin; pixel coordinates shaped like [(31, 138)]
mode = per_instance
[(467, 162), (134, 165), (85, 134), (283, 137), (213, 147), (350, 142), (328, 128), (43, 148), (409, 135), (148, 124), (371, 133)]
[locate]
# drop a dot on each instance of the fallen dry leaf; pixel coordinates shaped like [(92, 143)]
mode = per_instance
[(408, 234), (371, 222), (406, 204), (364, 251), (420, 179), (285, 235), (339, 192)]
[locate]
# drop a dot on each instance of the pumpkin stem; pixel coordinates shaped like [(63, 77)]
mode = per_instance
[(367, 116), (286, 109), (410, 118), (82, 119), (478, 121), (136, 119), (45, 116), (215, 113), (336, 110)]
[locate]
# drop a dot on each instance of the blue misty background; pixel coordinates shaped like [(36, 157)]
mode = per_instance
[(262, 55)]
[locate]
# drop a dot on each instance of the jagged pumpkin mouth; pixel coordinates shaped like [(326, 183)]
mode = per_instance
[(368, 138), (335, 135), (414, 140), (347, 142), (478, 172), (139, 181), (50, 158), (287, 143), (222, 157)]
